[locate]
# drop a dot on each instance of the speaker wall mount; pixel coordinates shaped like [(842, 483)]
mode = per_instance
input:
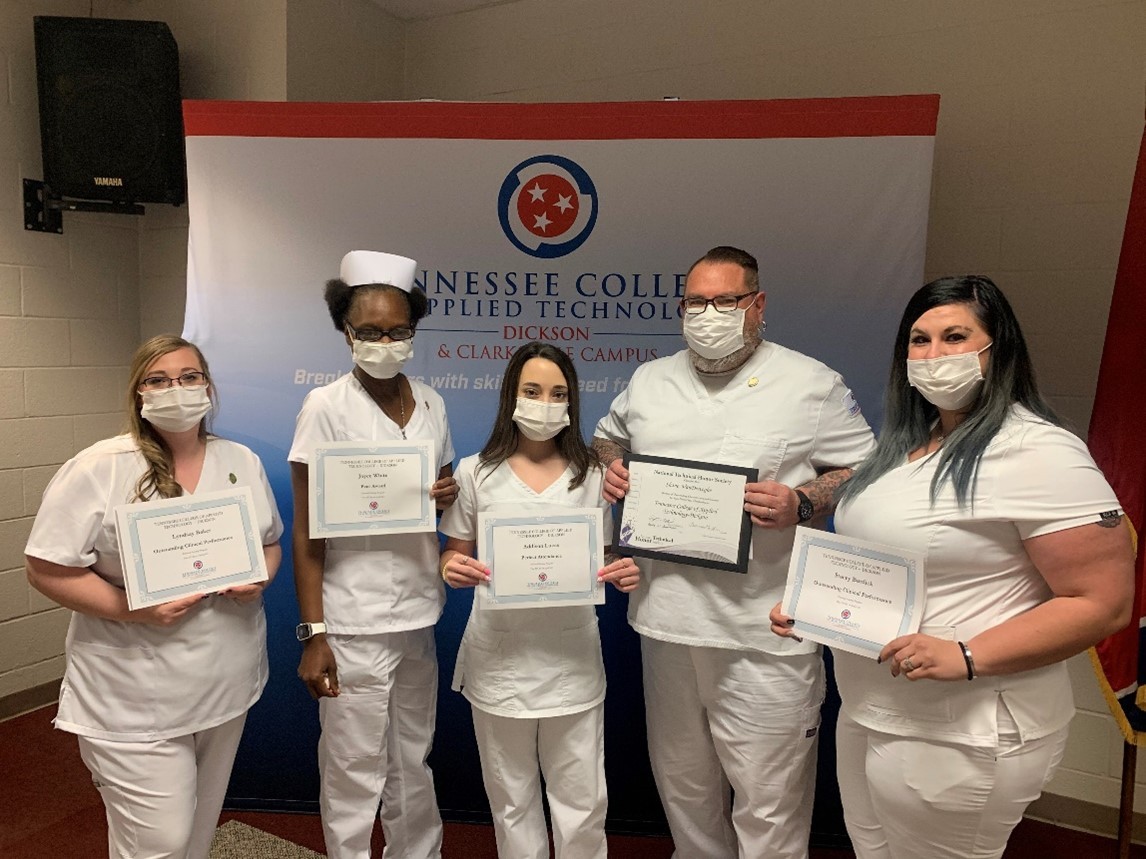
[(111, 119), (43, 210)]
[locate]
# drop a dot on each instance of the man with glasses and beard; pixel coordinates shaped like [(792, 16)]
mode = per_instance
[(732, 715)]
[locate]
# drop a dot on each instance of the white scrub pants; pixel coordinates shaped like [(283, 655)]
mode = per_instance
[(910, 798), (376, 737), (719, 718), (163, 798), (569, 751)]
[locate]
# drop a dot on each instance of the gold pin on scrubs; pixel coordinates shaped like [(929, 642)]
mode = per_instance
[(753, 382)]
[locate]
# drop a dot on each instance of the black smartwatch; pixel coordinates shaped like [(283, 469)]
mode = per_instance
[(805, 510)]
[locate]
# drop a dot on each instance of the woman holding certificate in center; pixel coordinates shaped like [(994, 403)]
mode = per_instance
[(368, 603), (533, 675)]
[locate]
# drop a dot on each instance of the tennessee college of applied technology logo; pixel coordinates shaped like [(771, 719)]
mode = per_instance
[(547, 206)]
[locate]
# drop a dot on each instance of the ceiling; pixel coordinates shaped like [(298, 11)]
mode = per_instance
[(412, 10)]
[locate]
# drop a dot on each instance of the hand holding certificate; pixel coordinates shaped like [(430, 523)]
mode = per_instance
[(542, 560), (195, 544), (851, 594), (687, 512), (359, 488)]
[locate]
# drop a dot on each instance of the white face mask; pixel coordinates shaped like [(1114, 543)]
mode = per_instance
[(949, 382), (540, 421), (382, 360), (175, 409), (713, 334)]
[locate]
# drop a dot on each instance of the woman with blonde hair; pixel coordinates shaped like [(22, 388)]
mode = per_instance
[(157, 696)]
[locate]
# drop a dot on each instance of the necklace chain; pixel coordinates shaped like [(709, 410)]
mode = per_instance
[(402, 410)]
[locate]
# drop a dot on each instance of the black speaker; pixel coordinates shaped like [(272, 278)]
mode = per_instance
[(111, 117)]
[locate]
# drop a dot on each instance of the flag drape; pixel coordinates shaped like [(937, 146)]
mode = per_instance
[(1117, 439)]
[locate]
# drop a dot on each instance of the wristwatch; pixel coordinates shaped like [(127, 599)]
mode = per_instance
[(805, 510), (307, 631)]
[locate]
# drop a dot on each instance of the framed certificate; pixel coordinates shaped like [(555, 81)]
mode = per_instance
[(194, 544), (542, 560), (851, 594), (359, 488), (686, 512)]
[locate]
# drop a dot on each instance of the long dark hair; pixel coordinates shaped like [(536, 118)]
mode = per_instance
[(908, 417), (503, 438)]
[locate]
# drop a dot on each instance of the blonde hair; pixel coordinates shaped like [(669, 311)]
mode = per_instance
[(159, 478)]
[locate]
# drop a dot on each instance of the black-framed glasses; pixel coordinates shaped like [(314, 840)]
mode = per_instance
[(192, 379), (373, 335), (723, 303)]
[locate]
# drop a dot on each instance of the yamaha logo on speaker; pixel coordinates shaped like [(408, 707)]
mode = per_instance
[(114, 181)]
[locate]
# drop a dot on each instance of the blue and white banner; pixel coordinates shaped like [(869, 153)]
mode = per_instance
[(569, 223)]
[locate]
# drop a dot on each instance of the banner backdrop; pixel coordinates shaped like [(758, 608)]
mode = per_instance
[(567, 223)]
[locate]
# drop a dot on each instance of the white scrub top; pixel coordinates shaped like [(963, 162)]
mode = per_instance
[(131, 681), (1034, 479), (527, 662), (385, 583), (782, 413)]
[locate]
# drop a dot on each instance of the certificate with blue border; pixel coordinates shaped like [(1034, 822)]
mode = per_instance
[(194, 544), (542, 560), (851, 594), (686, 512), (372, 487)]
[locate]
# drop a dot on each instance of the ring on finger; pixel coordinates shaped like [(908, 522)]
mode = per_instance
[(908, 665)]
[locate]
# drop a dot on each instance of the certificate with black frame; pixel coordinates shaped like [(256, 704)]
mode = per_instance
[(686, 512)]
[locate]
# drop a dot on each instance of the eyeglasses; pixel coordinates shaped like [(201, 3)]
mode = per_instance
[(373, 335), (193, 379), (722, 303)]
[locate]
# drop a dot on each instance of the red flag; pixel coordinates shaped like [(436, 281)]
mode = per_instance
[(1117, 440)]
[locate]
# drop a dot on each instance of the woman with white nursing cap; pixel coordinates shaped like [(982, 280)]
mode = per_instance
[(368, 605), (157, 696)]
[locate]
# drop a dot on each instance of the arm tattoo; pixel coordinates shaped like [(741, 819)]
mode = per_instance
[(822, 490), (607, 450)]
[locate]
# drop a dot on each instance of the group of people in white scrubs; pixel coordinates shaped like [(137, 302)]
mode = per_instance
[(942, 744)]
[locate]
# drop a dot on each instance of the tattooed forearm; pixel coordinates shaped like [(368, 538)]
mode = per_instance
[(822, 490), (607, 450)]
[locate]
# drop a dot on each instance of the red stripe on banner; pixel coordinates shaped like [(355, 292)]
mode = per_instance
[(877, 116), (1118, 422)]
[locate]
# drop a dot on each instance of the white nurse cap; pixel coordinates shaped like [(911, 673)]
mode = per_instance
[(360, 267)]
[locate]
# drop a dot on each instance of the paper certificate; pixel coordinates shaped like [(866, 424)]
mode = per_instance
[(850, 594), (361, 487), (687, 512), (176, 547), (542, 560)]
